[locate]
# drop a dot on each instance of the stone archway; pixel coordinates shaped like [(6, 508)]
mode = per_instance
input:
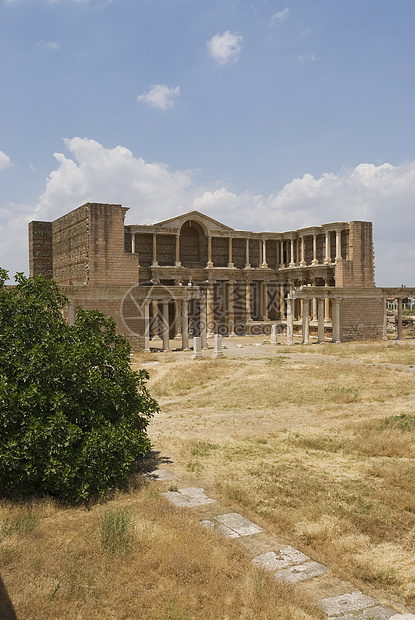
[(193, 245)]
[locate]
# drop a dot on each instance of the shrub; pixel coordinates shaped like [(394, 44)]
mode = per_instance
[(73, 415)]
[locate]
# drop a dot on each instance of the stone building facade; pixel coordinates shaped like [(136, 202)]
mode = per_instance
[(193, 275)]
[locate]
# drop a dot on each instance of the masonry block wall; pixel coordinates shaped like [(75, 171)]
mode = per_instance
[(70, 251), (40, 249), (362, 318), (358, 269)]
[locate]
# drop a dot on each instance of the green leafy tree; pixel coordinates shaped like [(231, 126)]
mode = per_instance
[(73, 415)]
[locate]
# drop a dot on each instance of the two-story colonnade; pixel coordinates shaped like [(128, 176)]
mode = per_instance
[(193, 275)]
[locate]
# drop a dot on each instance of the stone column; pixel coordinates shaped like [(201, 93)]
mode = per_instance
[(247, 263), (302, 262), (209, 263), (326, 304), (177, 261), (385, 319), (165, 329), (217, 346), (210, 303), (274, 333), (264, 253), (338, 246), (314, 261), (399, 300), (292, 263), (230, 261), (154, 263), (314, 304), (306, 321), (290, 323), (248, 301), (282, 302), (327, 260), (156, 326), (147, 326), (320, 315), (203, 321), (132, 243), (185, 325), (178, 319), (336, 320), (231, 309), (265, 300)]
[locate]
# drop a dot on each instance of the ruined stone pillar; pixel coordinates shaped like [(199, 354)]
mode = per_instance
[(147, 326), (292, 263), (314, 304), (247, 263), (399, 300), (274, 333), (282, 302), (165, 325), (132, 243), (154, 263), (314, 261), (290, 322), (210, 309), (306, 321), (327, 260), (217, 346), (203, 321), (197, 348), (185, 325), (336, 320), (209, 263), (230, 261), (248, 301), (177, 261), (320, 318), (71, 314), (231, 308)]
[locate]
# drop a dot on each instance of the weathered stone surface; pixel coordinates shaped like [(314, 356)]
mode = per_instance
[(337, 606), (301, 572), (403, 617), (287, 556), (161, 474), (188, 497), (233, 525)]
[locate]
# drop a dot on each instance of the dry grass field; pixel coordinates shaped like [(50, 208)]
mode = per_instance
[(314, 443)]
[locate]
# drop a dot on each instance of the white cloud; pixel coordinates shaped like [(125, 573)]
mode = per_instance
[(225, 48), (160, 96), (51, 45), (281, 15), (383, 194), (5, 161)]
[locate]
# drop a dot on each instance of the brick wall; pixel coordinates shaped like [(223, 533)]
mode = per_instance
[(70, 247), (361, 319)]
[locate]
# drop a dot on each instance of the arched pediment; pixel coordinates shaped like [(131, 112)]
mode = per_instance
[(208, 224)]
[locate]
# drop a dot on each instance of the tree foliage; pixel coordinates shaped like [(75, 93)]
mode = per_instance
[(73, 415)]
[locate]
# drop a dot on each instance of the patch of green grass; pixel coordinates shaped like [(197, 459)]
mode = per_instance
[(403, 422), (23, 524), (117, 531)]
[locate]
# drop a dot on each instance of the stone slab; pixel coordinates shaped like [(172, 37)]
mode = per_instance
[(188, 497), (161, 474), (221, 529), (352, 602), (379, 612), (234, 525), (402, 617), (288, 556), (301, 572)]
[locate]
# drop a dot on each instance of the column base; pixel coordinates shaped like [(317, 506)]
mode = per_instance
[(302, 264), (264, 266), (292, 265), (247, 266), (154, 263), (231, 265), (314, 261), (209, 265), (177, 263)]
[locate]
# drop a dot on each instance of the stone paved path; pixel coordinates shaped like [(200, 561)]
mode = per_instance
[(289, 565)]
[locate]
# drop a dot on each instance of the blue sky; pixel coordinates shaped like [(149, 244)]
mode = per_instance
[(265, 115)]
